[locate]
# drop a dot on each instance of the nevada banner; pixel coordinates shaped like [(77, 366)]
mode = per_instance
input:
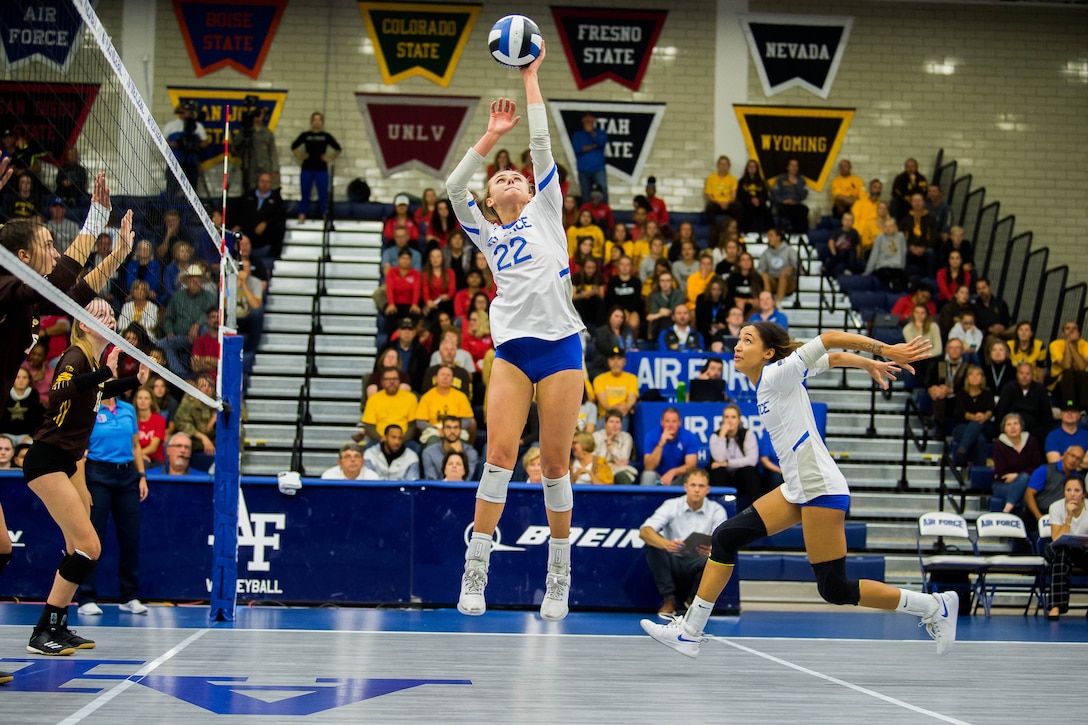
[(49, 115), (813, 136), (608, 44), (631, 129), (797, 50), (42, 30), (415, 132), (213, 104), (232, 34), (419, 39)]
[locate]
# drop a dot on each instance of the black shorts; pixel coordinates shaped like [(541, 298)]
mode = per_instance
[(43, 458)]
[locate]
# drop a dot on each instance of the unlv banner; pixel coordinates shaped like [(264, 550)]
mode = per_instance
[(419, 39), (42, 30), (213, 108), (49, 115), (608, 43), (631, 129), (415, 132), (235, 34), (797, 50), (813, 136)]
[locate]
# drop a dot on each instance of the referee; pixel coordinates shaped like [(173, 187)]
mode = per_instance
[(116, 481)]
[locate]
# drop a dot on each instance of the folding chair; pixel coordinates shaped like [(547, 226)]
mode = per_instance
[(1018, 572), (958, 556)]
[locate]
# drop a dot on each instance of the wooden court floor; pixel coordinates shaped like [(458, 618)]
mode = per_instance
[(276, 665)]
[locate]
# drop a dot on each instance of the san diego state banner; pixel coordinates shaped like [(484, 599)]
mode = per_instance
[(49, 115), (228, 33), (608, 44), (419, 39), (797, 50), (42, 30), (415, 132), (631, 129), (213, 104), (813, 136)]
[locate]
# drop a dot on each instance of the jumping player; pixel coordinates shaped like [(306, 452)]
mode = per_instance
[(80, 382), (815, 492), (537, 334)]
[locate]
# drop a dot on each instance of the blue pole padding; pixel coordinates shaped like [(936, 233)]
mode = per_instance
[(228, 465)]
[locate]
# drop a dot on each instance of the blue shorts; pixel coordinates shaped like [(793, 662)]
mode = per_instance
[(830, 501), (540, 358)]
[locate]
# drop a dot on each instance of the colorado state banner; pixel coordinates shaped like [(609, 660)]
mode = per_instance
[(419, 39)]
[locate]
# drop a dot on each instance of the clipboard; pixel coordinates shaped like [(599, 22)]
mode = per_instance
[(1073, 541), (694, 540)]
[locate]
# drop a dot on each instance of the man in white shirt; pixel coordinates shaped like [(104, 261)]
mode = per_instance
[(677, 572), (350, 465), (390, 460)]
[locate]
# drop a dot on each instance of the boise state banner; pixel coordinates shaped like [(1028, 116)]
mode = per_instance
[(801, 51), (49, 115), (415, 132), (213, 105), (813, 136), (608, 44), (233, 34), (419, 39), (631, 129), (42, 30)]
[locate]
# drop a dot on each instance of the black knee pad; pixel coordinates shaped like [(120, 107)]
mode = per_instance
[(741, 530), (76, 567), (5, 559), (833, 585)]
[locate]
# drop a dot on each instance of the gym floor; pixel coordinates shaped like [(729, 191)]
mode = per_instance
[(328, 665)]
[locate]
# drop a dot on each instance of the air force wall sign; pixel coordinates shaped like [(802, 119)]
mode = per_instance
[(801, 51)]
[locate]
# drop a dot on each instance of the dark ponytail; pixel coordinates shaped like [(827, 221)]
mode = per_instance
[(775, 337)]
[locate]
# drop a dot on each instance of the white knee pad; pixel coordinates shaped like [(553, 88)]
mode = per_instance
[(558, 494), (493, 483)]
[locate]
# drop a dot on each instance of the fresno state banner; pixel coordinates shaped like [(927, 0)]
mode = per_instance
[(233, 34), (415, 132), (49, 115), (631, 129), (813, 136), (608, 43), (797, 50), (42, 30), (213, 105), (418, 39)]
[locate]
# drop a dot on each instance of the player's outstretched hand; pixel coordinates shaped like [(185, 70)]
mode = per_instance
[(907, 352), (502, 116), (884, 373), (127, 237), (101, 193), (535, 65), (5, 171)]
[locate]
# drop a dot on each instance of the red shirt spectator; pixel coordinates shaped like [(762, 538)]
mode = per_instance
[(602, 214), (435, 287), (407, 222), (153, 427), (948, 282), (904, 306), (404, 287)]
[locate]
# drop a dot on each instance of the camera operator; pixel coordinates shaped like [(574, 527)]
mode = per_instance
[(257, 146), (187, 137)]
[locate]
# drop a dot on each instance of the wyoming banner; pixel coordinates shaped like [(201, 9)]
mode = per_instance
[(813, 136)]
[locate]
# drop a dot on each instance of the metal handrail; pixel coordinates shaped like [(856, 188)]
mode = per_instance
[(921, 443)]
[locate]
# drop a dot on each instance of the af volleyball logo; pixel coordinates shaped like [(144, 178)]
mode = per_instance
[(514, 41)]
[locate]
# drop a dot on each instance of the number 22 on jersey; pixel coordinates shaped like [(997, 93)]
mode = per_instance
[(504, 249)]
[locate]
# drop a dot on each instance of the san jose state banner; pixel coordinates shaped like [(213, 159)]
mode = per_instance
[(419, 39), (813, 136), (608, 44), (49, 115), (42, 30), (416, 132), (801, 51), (213, 103), (631, 129), (228, 33)]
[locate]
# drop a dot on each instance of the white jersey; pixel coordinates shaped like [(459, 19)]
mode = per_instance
[(528, 257), (785, 410)]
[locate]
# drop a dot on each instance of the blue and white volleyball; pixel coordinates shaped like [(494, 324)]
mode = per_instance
[(514, 41)]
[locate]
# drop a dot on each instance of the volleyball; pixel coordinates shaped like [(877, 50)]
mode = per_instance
[(514, 41)]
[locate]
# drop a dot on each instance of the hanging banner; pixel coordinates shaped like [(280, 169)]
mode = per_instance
[(813, 136), (631, 129), (213, 104), (235, 34), (49, 116), (42, 30), (419, 39), (416, 132), (608, 44), (801, 51)]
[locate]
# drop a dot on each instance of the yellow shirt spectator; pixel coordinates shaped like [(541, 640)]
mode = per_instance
[(635, 250), (720, 189), (433, 406), (573, 234), (615, 391), (863, 210), (383, 409), (1057, 352), (851, 186)]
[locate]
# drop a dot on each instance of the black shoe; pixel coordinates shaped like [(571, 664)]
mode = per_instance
[(52, 641), (797, 304), (74, 640), (5, 678)]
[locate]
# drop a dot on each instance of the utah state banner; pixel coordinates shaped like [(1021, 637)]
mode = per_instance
[(813, 136)]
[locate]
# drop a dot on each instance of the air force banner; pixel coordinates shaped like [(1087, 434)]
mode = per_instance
[(43, 30), (631, 129), (797, 50), (813, 136), (608, 44)]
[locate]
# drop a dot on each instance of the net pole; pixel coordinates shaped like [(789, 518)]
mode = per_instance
[(228, 464)]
